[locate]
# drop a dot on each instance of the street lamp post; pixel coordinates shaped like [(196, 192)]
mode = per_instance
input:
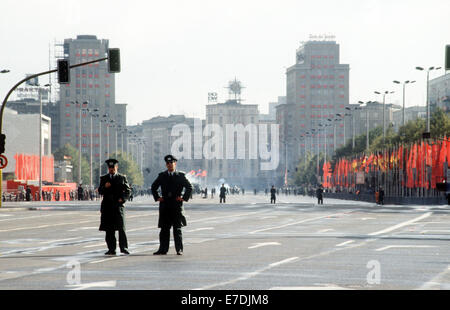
[(367, 123), (79, 138), (384, 105), (404, 84), (428, 82), (40, 139), (91, 114), (353, 123)]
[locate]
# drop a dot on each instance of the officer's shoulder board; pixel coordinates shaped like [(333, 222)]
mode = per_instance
[(181, 172)]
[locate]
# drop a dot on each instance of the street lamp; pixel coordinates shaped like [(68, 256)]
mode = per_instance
[(384, 105), (92, 113), (79, 137), (40, 136), (367, 123), (428, 82), (103, 119), (404, 84), (353, 124), (325, 130)]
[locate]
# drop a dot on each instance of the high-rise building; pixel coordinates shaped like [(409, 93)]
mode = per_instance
[(439, 93), (91, 91), (317, 89)]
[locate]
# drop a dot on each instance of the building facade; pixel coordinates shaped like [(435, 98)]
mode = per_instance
[(411, 114), (160, 137), (235, 170), (317, 89), (439, 93), (22, 136), (90, 97)]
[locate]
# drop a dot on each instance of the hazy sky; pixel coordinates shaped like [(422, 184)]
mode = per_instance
[(174, 52)]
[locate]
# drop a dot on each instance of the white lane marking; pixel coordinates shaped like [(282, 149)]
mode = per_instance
[(345, 243), (142, 228), (249, 275), (435, 283), (295, 223), (199, 229), (425, 231), (268, 217), (400, 225), (258, 245), (44, 226), (83, 286), (404, 246), (104, 260), (224, 217), (5, 215), (58, 240), (367, 218), (327, 287), (84, 228), (32, 217), (95, 245), (324, 230)]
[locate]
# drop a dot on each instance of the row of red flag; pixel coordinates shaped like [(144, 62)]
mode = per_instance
[(27, 167), (412, 163)]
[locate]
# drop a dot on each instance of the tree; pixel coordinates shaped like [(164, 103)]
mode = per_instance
[(307, 174), (72, 153), (130, 168)]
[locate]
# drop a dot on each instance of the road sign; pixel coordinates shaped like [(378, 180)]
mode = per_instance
[(360, 177), (3, 161)]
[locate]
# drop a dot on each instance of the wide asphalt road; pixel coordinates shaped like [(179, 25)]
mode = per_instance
[(246, 243)]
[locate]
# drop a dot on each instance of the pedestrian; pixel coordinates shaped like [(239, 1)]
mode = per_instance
[(115, 190), (171, 211), (222, 194), (381, 196), (273, 193), (80, 192), (28, 194), (319, 194)]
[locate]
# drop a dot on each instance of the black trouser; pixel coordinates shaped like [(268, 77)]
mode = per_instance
[(164, 239), (222, 198), (320, 200), (272, 199), (112, 242)]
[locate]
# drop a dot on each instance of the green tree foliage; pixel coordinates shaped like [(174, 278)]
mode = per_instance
[(307, 174), (73, 155), (130, 168)]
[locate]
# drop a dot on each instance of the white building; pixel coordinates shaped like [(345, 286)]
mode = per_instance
[(22, 136)]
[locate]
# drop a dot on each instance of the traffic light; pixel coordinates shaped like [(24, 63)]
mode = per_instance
[(63, 71), (113, 60), (447, 57), (2, 143)]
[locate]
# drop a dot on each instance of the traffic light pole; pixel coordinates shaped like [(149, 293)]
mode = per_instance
[(17, 85)]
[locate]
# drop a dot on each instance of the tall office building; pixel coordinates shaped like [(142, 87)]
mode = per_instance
[(317, 89), (91, 88)]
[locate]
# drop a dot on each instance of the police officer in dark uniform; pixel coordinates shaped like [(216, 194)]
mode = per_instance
[(115, 190), (171, 211), (273, 194), (223, 193), (319, 194)]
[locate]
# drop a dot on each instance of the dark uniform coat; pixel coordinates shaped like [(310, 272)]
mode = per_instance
[(171, 212), (223, 192), (112, 211), (319, 193), (273, 193)]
